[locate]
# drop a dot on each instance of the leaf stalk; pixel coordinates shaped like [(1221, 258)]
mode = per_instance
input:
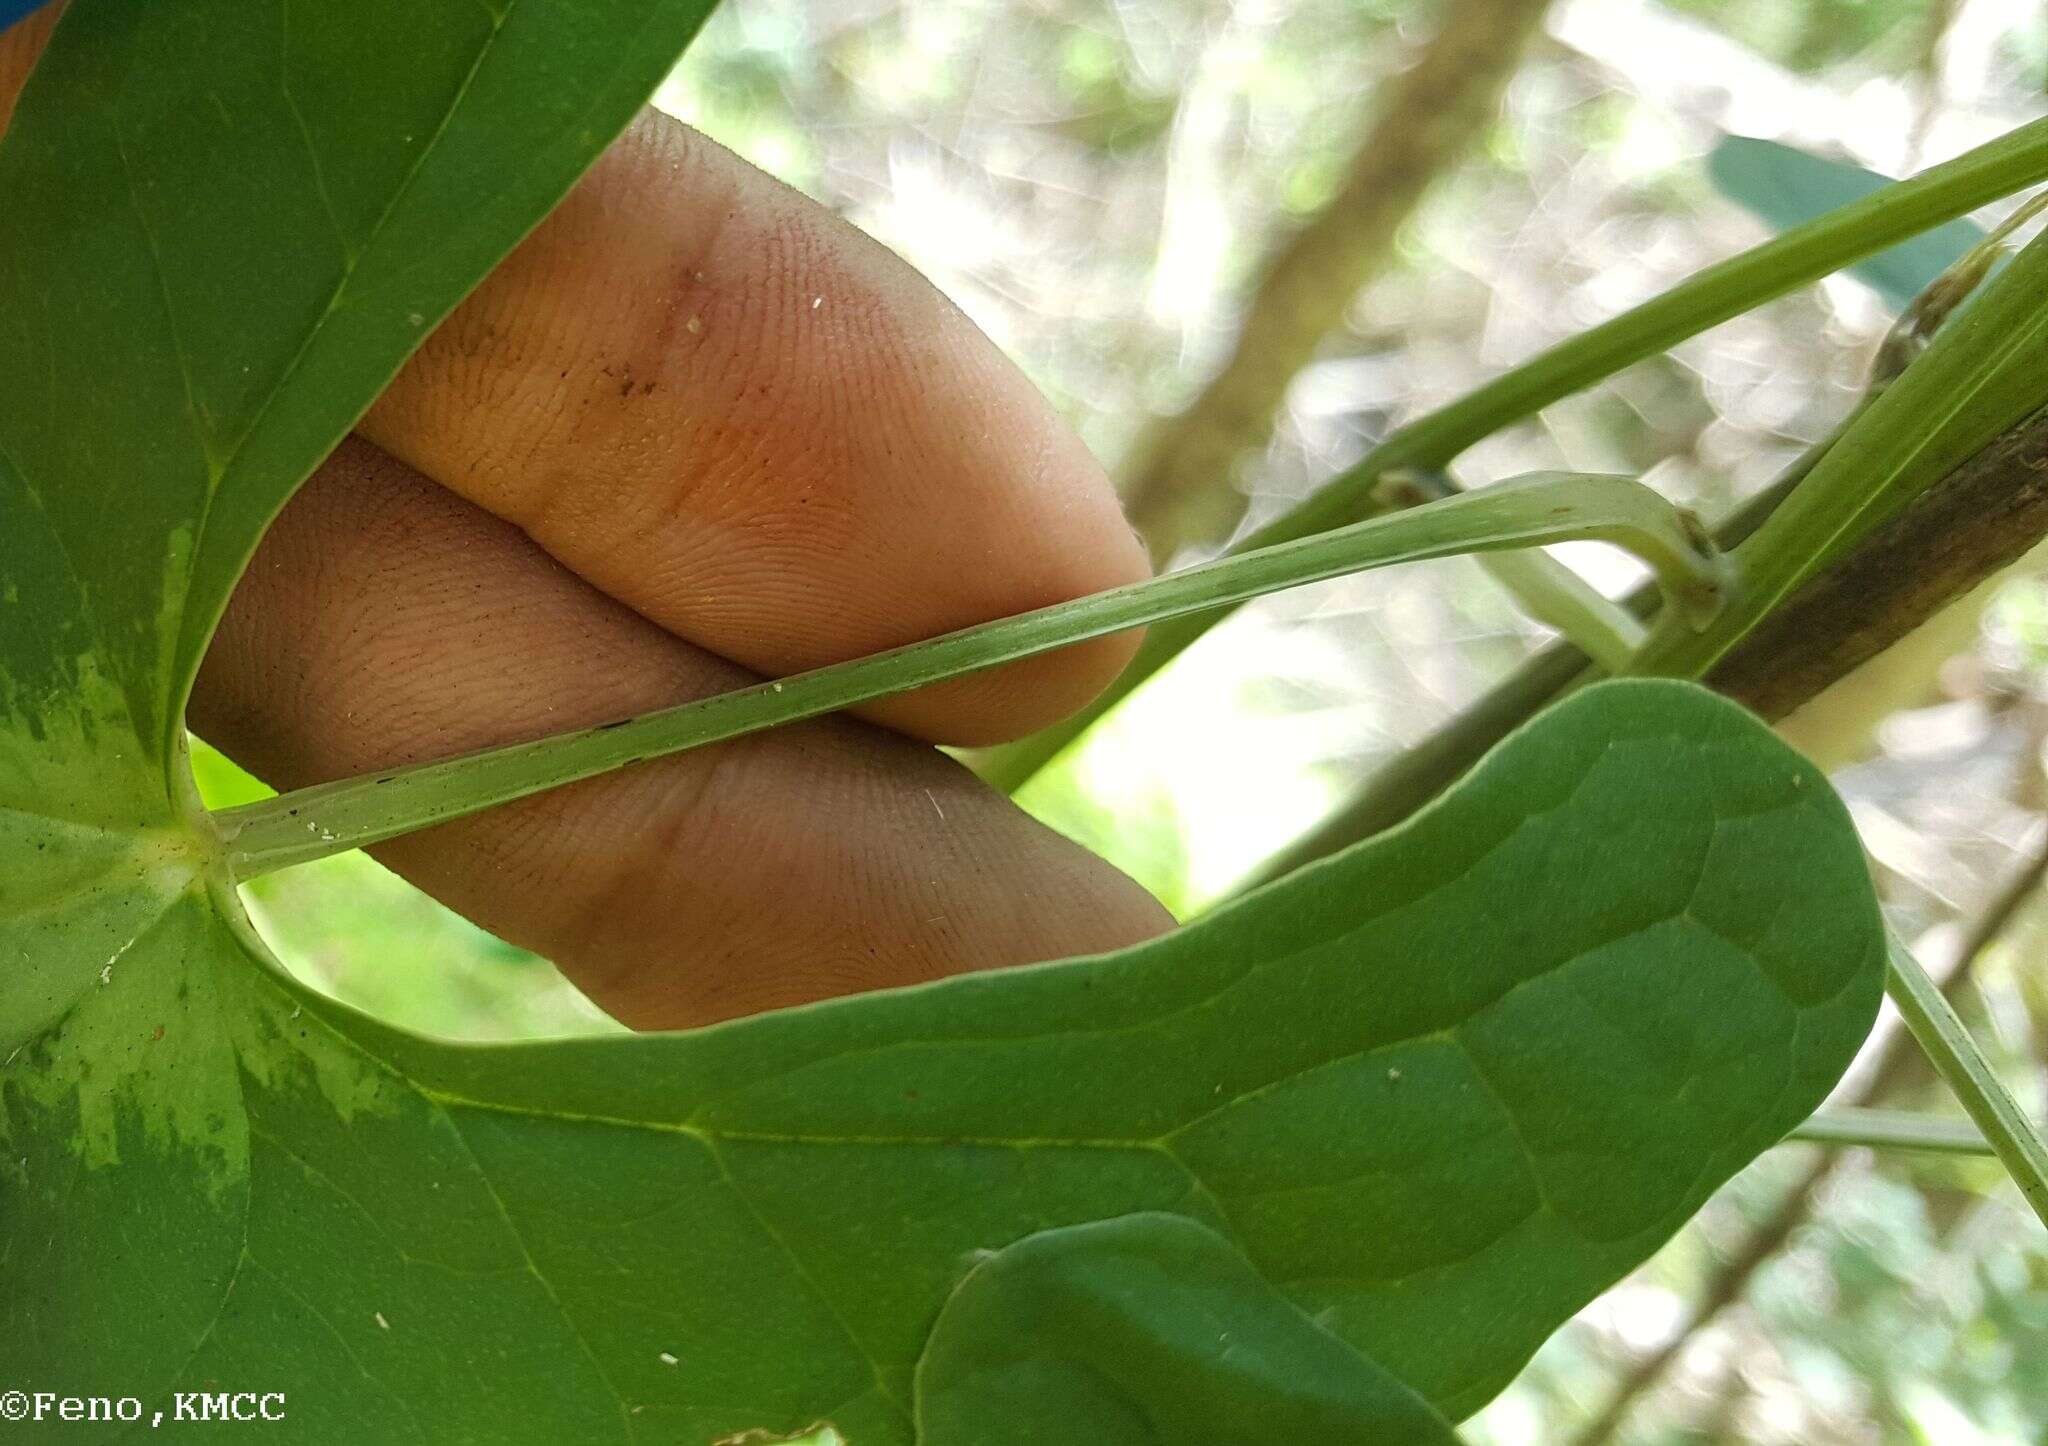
[(1959, 1061), (1542, 508), (1893, 1130)]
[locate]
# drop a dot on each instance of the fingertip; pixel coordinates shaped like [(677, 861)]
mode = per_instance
[(758, 428), (20, 45), (385, 622)]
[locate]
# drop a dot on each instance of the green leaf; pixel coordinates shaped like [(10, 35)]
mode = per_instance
[(1786, 187), (1144, 1330), (1439, 1091), (227, 226)]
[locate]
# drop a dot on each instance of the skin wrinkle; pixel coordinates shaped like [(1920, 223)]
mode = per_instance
[(805, 862), (834, 461)]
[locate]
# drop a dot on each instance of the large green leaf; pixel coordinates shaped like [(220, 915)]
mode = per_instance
[(1786, 187), (1434, 1094), (1438, 1092)]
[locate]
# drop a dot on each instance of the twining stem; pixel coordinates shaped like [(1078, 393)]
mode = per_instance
[(1983, 372), (1549, 507), (1955, 1055), (1804, 254)]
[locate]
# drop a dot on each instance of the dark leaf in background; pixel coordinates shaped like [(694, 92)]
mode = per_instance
[(1784, 187)]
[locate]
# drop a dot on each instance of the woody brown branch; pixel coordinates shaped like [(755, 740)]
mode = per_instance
[(1983, 517)]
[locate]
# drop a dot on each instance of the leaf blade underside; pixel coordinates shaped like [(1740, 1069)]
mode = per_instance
[(1437, 1092)]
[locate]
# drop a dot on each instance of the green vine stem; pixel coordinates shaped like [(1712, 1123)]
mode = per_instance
[(1984, 371), (1804, 254), (1956, 1056), (1555, 596), (1893, 1130), (1403, 784), (1546, 507)]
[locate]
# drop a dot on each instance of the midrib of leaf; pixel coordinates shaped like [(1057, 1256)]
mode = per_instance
[(533, 1268), (351, 256), (340, 1340), (201, 432), (349, 250), (807, 1274), (446, 1106)]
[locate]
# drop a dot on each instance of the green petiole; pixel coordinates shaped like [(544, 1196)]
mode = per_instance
[(332, 818), (1893, 1130), (1955, 1055)]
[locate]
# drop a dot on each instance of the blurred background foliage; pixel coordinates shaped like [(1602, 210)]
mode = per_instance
[(1116, 190)]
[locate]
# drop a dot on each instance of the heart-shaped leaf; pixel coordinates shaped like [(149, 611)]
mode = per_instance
[(1435, 1094)]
